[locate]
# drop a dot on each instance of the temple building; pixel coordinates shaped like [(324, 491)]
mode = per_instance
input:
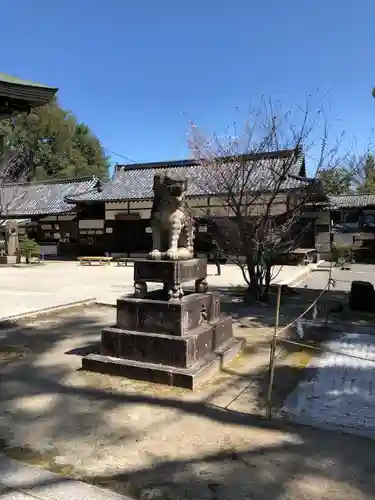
[(74, 217), (44, 214), (353, 223)]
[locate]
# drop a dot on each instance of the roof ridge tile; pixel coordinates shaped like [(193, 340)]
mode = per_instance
[(135, 183), (74, 180)]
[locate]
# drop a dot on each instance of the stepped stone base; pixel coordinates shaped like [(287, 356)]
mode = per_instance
[(186, 378), (8, 259), (167, 336)]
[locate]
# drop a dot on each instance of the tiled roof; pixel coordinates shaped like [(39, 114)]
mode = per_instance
[(352, 201), (4, 78), (20, 222), (134, 182), (41, 198)]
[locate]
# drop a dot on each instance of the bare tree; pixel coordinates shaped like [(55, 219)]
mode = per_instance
[(259, 178)]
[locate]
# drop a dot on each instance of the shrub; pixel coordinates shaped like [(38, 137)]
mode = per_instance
[(29, 247), (341, 253)]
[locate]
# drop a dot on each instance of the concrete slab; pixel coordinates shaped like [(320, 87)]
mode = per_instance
[(27, 289), (25, 482), (45, 310), (317, 280), (16, 495)]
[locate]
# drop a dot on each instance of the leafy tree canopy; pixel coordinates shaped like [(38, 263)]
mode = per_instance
[(365, 175), (336, 181), (357, 175), (51, 144)]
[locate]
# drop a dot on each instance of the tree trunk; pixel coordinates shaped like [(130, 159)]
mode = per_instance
[(253, 291), (266, 291), (259, 278)]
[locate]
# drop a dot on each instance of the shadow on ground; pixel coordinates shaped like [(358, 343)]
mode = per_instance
[(160, 434), (294, 301)]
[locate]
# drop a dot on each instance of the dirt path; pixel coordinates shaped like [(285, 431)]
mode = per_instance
[(136, 437)]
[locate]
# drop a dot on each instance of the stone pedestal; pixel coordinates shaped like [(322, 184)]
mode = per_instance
[(167, 336), (8, 259)]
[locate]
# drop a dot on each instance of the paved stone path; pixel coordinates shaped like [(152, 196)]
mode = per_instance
[(343, 279), (21, 482), (341, 393), (27, 289)]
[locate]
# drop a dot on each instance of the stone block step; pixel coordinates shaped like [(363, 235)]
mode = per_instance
[(166, 349), (170, 317), (187, 378)]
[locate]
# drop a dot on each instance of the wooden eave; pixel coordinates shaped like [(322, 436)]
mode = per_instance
[(18, 98)]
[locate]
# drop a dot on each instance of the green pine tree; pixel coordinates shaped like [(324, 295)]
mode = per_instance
[(336, 181), (52, 144), (366, 175)]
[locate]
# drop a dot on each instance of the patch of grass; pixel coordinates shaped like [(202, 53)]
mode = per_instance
[(10, 353), (292, 367), (45, 460), (114, 484), (299, 359)]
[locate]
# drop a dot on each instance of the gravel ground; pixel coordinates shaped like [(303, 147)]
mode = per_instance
[(140, 438), (341, 393)]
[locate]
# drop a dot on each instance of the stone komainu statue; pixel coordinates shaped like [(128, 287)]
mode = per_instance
[(172, 227)]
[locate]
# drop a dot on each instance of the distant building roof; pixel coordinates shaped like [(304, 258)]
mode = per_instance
[(42, 198), (352, 201), (4, 78), (135, 181), (18, 95), (19, 222)]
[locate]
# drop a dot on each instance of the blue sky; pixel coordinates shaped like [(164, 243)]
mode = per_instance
[(134, 71)]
